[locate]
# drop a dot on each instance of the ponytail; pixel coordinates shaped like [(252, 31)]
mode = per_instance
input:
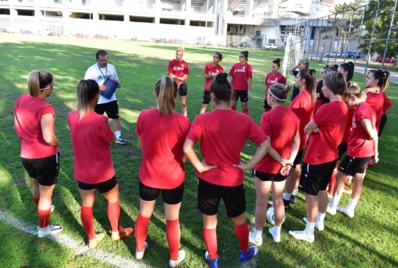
[(166, 92), (87, 90), (309, 75), (39, 80)]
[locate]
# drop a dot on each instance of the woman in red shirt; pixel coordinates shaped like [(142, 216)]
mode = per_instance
[(93, 166), (377, 82), (34, 124), (241, 80), (282, 126), (272, 78), (161, 134), (362, 146), (303, 107), (222, 134), (327, 129), (211, 71)]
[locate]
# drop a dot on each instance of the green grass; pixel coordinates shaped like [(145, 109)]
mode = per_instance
[(368, 240)]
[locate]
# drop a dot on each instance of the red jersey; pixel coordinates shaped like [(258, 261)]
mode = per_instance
[(331, 119), (359, 144), (27, 120), (273, 79), (387, 103), (376, 101), (211, 70), (348, 126), (241, 74), (222, 135), (178, 68), (303, 108), (281, 124), (90, 139), (162, 141)]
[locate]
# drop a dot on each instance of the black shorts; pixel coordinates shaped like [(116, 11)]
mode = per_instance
[(266, 106), (102, 187), (315, 178), (296, 91), (111, 108), (298, 159), (242, 94), (45, 170), (342, 149), (209, 196), (183, 90), (353, 165), (170, 196), (206, 97), (267, 176)]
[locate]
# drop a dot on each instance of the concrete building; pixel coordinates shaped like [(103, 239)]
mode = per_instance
[(219, 22)]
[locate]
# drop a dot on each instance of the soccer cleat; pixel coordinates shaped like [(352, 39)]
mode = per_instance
[(212, 262), (92, 243), (258, 242), (319, 226), (49, 230), (277, 238), (120, 140), (140, 254), (245, 256), (181, 257), (346, 211), (122, 233), (293, 199), (286, 203), (301, 235), (330, 210)]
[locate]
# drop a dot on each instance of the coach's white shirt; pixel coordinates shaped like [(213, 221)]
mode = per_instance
[(94, 73)]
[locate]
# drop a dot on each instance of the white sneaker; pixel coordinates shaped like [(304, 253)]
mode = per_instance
[(258, 242), (346, 211), (120, 140), (140, 254), (277, 238), (301, 235), (49, 230), (330, 210), (181, 257), (319, 226)]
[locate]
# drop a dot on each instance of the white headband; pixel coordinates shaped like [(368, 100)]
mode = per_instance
[(275, 96)]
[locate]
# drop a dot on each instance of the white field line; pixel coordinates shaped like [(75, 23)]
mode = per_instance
[(78, 247)]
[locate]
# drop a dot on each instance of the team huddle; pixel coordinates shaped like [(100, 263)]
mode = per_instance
[(328, 134)]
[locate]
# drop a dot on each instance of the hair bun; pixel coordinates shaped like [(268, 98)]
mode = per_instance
[(222, 77)]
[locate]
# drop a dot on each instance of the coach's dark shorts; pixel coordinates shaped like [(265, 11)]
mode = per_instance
[(353, 165), (298, 159), (315, 178), (45, 170), (206, 97), (102, 187), (209, 196), (170, 196), (242, 94), (268, 176), (111, 108), (183, 90)]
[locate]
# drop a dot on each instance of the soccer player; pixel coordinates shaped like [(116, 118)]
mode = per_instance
[(282, 126), (319, 84), (327, 130), (178, 71), (161, 134), (99, 72), (211, 71), (347, 70), (222, 134), (34, 124), (362, 146), (272, 78), (241, 80), (303, 107), (93, 166), (301, 65)]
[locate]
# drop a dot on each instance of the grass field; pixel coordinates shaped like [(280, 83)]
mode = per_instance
[(368, 240)]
